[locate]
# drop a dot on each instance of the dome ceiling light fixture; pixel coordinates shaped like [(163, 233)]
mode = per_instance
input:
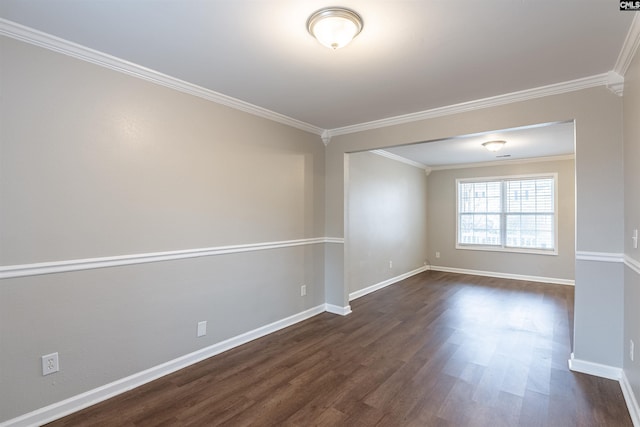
[(494, 146), (334, 27)]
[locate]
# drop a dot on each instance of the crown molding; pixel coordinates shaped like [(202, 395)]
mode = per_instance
[(615, 83), (494, 101), (629, 47), (505, 162), (65, 47), (401, 159), (613, 80), (326, 138)]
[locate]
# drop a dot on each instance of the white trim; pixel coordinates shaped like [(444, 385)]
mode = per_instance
[(599, 256), (400, 159), (326, 138), (22, 270), (494, 101), (505, 162), (502, 246), (65, 47), (551, 280), (336, 309), (629, 47), (592, 368), (630, 400), (506, 249), (385, 283), (615, 83), (510, 177), (38, 38), (99, 394), (632, 263), (339, 240)]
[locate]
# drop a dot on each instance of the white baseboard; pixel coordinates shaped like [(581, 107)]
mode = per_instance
[(630, 399), (597, 369), (373, 288), (73, 404), (540, 279), (336, 309), (611, 373)]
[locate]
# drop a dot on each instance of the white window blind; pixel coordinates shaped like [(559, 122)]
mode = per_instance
[(508, 213)]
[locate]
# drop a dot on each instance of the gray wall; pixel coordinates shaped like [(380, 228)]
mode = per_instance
[(95, 163), (386, 219), (599, 182), (632, 221), (442, 223)]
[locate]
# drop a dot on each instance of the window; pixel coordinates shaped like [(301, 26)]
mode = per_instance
[(516, 214)]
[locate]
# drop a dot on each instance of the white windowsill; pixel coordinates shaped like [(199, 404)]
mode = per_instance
[(508, 250)]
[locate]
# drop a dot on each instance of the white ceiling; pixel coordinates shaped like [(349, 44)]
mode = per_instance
[(411, 56), (545, 140)]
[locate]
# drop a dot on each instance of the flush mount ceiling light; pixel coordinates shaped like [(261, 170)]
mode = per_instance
[(493, 145), (334, 27)]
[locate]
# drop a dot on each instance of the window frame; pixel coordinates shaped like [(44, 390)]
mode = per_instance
[(503, 214)]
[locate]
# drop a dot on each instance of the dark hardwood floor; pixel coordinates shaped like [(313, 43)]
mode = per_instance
[(437, 349)]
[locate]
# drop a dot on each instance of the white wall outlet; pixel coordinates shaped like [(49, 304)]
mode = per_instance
[(303, 290), (634, 237), (390, 264), (437, 254), (202, 328), (631, 349), (50, 363)]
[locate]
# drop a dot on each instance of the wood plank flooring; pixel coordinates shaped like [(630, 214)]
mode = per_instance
[(437, 349)]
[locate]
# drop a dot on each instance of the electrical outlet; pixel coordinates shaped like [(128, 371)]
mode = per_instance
[(303, 290), (631, 349), (390, 264), (202, 328), (437, 254), (634, 237), (50, 363)]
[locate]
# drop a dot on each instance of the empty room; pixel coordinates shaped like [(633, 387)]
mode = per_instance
[(384, 213)]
